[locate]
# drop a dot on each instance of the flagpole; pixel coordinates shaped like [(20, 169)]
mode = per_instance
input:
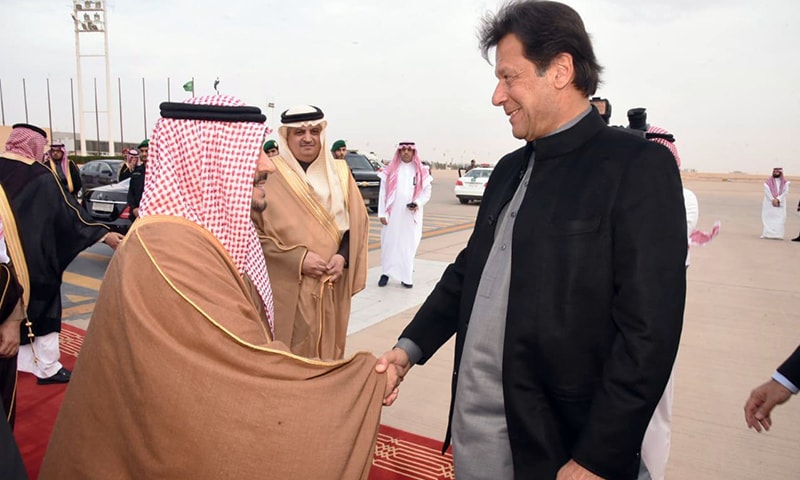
[(96, 116), (72, 102), (2, 105), (121, 133), (144, 108), (49, 111), (168, 99), (25, 99), (271, 107)]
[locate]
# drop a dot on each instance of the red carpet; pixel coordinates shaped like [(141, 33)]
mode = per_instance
[(37, 405), (399, 455)]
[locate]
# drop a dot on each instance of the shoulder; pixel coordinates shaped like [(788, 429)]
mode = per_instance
[(616, 137), (175, 243), (628, 149)]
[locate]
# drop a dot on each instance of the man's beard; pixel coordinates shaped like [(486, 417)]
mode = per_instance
[(259, 205)]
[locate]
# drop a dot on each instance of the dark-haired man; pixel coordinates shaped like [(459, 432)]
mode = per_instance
[(136, 188), (563, 353)]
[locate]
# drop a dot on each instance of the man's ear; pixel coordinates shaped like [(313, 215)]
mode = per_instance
[(563, 70)]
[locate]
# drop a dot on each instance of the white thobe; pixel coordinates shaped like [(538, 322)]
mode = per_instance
[(401, 236), (657, 438), (774, 218)]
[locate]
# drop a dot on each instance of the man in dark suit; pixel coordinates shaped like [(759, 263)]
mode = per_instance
[(784, 383), (567, 302), (136, 187)]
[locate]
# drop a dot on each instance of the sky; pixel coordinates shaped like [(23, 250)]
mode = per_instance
[(721, 75)]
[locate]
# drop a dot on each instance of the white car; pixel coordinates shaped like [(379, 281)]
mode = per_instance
[(472, 184)]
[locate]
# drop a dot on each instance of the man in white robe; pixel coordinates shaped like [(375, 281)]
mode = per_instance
[(405, 189), (773, 207), (657, 438)]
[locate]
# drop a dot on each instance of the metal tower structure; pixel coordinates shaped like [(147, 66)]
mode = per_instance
[(92, 17)]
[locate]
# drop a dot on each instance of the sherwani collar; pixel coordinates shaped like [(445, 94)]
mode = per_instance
[(568, 140)]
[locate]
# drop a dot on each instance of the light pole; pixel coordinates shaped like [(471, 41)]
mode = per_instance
[(91, 17)]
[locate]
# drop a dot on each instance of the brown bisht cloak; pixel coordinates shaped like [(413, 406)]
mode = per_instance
[(311, 315), (177, 378)]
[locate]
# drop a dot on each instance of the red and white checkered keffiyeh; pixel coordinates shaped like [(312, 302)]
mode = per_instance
[(421, 176), (64, 162), (132, 158), (24, 141), (777, 186), (203, 171), (665, 142), (696, 237)]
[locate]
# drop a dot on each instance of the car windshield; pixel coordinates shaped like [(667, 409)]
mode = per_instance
[(357, 162), (478, 173)]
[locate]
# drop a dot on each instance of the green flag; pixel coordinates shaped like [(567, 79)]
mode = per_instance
[(189, 86)]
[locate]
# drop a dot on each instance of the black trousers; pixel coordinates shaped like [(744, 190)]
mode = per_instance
[(8, 383)]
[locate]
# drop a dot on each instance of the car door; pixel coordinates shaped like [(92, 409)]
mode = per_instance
[(105, 175), (89, 175)]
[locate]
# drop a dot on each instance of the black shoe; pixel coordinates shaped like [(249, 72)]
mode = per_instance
[(407, 285), (61, 376), (383, 281), (796, 239)]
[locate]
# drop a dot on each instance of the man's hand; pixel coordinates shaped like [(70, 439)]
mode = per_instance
[(314, 266), (136, 212), (761, 402), (385, 221), (395, 364), (9, 338), (113, 239), (335, 267), (776, 202), (573, 471)]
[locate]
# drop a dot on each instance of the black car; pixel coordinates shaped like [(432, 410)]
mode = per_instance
[(109, 205), (369, 184), (96, 173)]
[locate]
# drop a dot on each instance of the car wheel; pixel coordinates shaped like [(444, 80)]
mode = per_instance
[(463, 201)]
